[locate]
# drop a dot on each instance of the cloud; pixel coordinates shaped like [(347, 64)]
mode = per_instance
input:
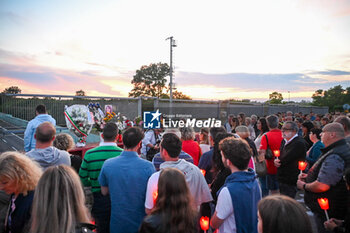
[(11, 17), (332, 72)]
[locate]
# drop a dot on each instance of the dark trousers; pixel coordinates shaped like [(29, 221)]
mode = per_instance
[(263, 186), (101, 212), (288, 190)]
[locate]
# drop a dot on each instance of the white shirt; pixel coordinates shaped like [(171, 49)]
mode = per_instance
[(150, 138), (288, 141), (224, 211), (194, 178)]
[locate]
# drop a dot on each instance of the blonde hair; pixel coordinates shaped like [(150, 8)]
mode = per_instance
[(59, 202), (63, 141), (20, 170)]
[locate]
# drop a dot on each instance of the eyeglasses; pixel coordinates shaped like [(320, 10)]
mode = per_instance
[(284, 129)]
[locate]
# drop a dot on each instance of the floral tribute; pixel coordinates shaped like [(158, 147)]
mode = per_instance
[(79, 120), (120, 120)]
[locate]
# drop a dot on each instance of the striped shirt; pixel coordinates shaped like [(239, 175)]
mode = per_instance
[(92, 164)]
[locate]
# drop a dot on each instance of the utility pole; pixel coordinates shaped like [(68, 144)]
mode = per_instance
[(289, 96), (172, 44)]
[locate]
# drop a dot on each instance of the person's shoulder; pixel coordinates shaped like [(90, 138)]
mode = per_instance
[(208, 153)]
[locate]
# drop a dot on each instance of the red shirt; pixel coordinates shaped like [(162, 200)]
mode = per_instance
[(192, 148), (275, 138)]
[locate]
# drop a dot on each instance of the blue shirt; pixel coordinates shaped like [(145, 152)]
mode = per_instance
[(205, 163), (314, 153), (126, 177), (29, 140)]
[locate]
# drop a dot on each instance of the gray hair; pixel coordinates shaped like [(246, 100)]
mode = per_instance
[(175, 131), (272, 121), (187, 133), (293, 125), (254, 117)]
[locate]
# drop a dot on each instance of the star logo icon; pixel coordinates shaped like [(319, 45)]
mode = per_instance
[(156, 115)]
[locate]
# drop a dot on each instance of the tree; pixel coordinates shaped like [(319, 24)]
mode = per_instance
[(80, 93), (335, 97), (275, 98), (176, 95), (150, 80), (12, 90)]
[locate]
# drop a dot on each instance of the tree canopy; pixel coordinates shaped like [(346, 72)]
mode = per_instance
[(80, 93), (335, 97), (275, 98), (151, 81), (12, 90)]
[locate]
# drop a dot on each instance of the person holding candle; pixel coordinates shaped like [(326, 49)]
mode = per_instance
[(236, 209), (324, 179), (279, 213), (272, 140), (176, 216), (336, 225), (170, 148), (292, 151)]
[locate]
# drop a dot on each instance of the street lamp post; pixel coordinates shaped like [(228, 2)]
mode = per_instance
[(172, 44)]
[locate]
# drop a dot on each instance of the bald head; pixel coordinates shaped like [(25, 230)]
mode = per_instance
[(345, 122), (336, 128), (332, 133), (45, 132)]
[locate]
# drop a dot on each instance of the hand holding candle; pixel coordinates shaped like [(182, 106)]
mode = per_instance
[(302, 166), (323, 202), (204, 222)]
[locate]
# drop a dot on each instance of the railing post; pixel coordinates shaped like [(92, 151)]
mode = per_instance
[(139, 106)]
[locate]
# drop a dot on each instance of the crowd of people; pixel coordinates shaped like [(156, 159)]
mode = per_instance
[(181, 181)]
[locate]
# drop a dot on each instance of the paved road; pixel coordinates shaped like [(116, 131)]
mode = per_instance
[(11, 137)]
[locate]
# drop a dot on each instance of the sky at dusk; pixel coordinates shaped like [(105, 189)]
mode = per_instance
[(225, 49)]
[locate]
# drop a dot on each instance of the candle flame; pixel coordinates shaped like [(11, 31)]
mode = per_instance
[(276, 153), (203, 172), (323, 202), (204, 222), (155, 195), (302, 165)]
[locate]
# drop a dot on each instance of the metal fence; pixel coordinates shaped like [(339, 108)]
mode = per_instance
[(23, 106)]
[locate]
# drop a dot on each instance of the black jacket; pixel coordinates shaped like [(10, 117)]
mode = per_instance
[(291, 154)]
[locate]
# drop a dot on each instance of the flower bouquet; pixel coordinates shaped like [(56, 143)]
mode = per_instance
[(120, 120), (79, 120), (138, 121), (98, 114)]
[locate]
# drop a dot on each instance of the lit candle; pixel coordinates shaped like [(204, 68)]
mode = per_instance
[(203, 172), (204, 222), (302, 166), (323, 202), (155, 195), (276, 153)]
